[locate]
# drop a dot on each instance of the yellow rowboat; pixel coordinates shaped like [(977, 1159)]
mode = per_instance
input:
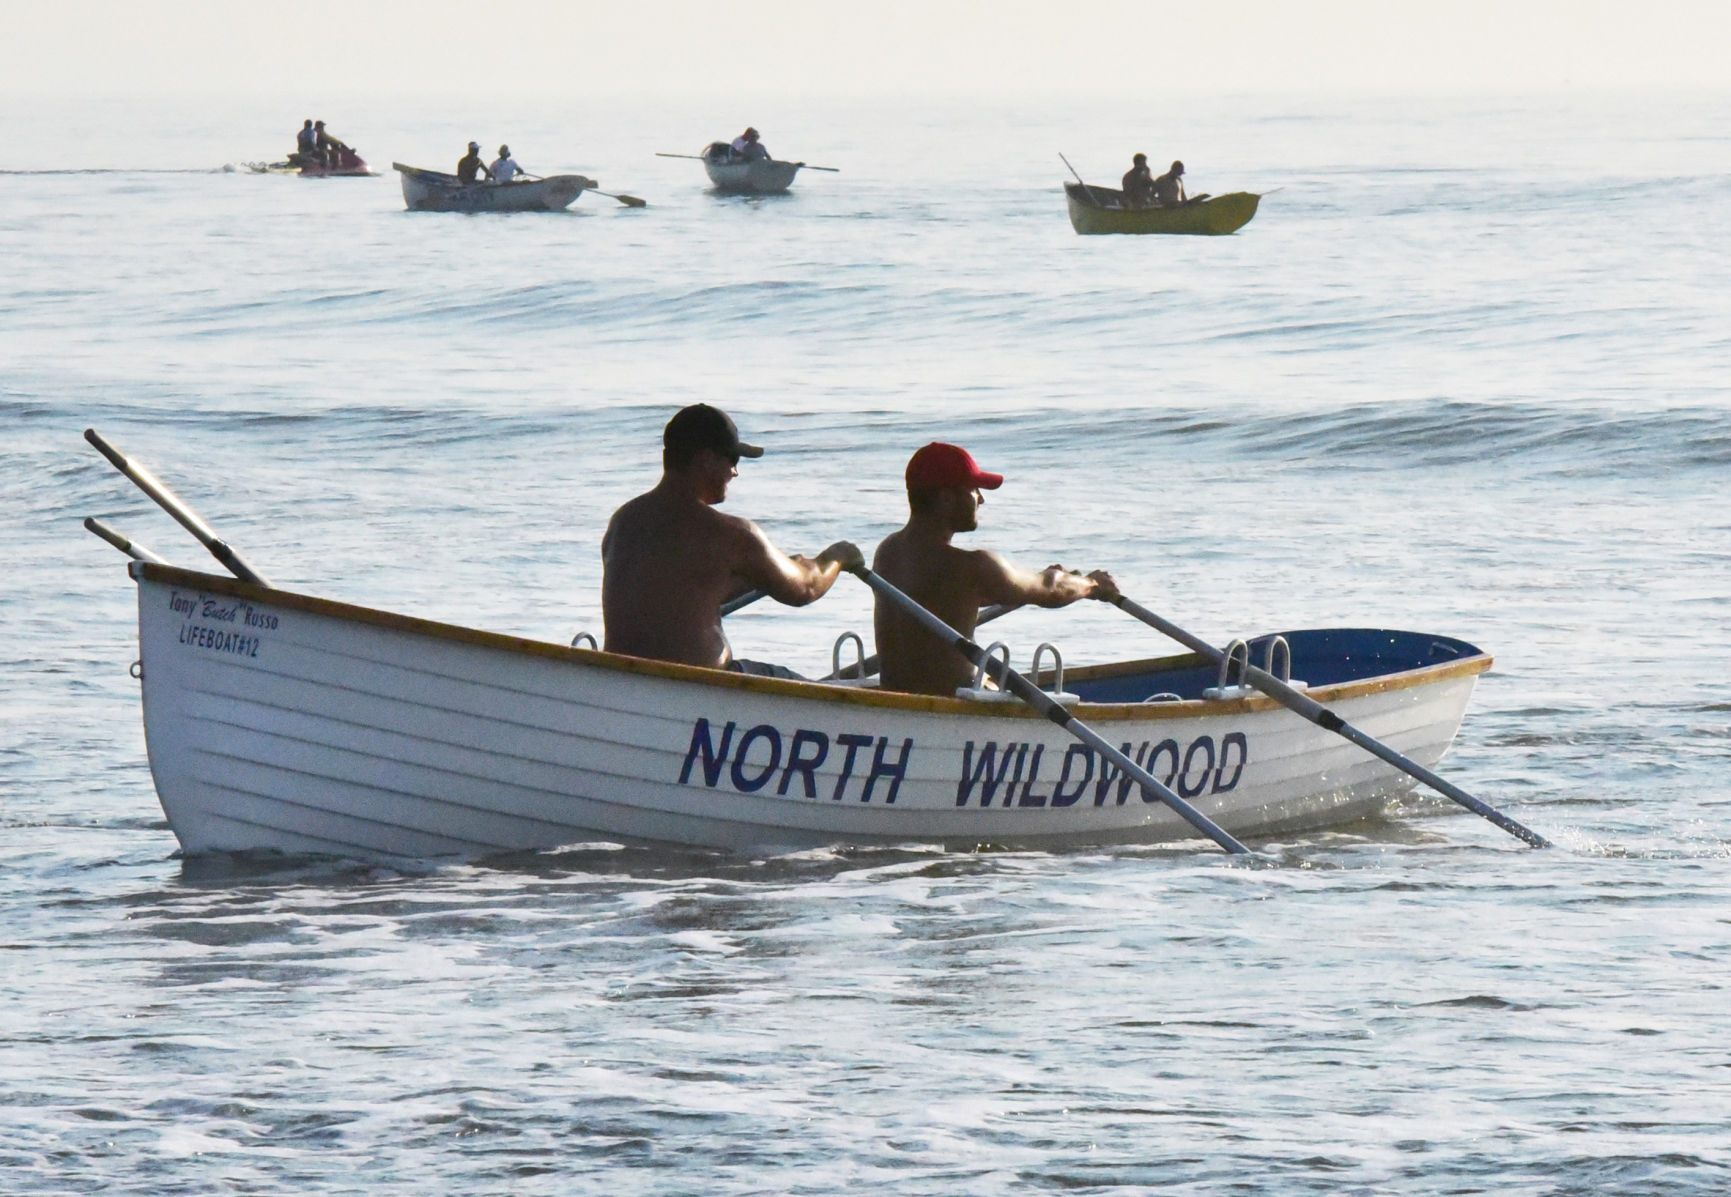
[(1102, 210)]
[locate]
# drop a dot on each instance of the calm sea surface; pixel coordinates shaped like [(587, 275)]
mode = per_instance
[(1468, 371)]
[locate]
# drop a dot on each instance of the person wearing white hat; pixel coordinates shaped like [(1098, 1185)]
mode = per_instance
[(504, 169), (470, 167)]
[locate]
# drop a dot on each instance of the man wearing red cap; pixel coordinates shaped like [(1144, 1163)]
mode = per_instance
[(944, 485), (669, 559)]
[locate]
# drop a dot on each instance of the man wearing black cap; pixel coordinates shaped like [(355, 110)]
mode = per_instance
[(944, 484), (670, 559)]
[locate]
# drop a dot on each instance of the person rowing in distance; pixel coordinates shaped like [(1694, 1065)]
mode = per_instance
[(1138, 183), (944, 485), (1168, 189), (670, 560), (470, 167), (749, 147), (504, 168)]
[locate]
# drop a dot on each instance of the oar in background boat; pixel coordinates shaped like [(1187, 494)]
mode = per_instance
[(1302, 704), (700, 158), (630, 201), (1015, 683), (184, 515)]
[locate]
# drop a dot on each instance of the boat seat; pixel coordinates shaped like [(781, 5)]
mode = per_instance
[(860, 680), (978, 691), (1277, 664)]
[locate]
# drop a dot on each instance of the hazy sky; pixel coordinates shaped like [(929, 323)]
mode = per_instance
[(627, 49)]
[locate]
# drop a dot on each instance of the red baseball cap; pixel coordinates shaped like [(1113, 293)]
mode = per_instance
[(942, 467)]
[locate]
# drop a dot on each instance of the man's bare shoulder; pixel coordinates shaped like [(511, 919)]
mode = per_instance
[(898, 548)]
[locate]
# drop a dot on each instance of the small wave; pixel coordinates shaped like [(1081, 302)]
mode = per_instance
[(1580, 440)]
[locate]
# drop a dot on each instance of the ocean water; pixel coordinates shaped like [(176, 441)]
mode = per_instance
[(1468, 371)]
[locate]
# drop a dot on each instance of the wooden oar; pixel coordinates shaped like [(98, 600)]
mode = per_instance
[(183, 514), (630, 201), (701, 158), (1042, 702), (1073, 170), (1302, 704), (130, 547)]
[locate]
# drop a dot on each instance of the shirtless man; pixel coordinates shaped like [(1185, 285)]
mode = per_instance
[(1138, 183), (328, 146), (470, 168), (944, 486), (1169, 187), (669, 559)]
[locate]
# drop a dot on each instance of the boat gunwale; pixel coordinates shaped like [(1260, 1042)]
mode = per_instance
[(812, 690)]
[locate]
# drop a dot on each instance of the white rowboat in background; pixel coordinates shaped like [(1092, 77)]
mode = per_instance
[(764, 176), (434, 191), (279, 721)]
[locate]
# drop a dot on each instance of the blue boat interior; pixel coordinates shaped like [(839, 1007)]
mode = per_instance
[(1320, 657)]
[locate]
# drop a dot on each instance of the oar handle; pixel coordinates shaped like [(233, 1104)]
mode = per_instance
[(1302, 704), (1024, 689), (130, 547), (740, 603), (184, 515)]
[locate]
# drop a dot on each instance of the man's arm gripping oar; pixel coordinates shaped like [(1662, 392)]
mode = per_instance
[(1028, 692), (1302, 704)]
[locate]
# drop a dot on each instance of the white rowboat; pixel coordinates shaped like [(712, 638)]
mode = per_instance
[(280, 721), (434, 191), (764, 176)]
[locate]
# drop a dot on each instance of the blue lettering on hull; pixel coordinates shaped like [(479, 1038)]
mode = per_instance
[(994, 773), (751, 760), (865, 768)]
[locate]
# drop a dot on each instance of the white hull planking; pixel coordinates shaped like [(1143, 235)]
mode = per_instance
[(432, 191), (301, 725), (762, 177)]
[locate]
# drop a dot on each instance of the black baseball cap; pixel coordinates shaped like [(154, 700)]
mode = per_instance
[(701, 426)]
